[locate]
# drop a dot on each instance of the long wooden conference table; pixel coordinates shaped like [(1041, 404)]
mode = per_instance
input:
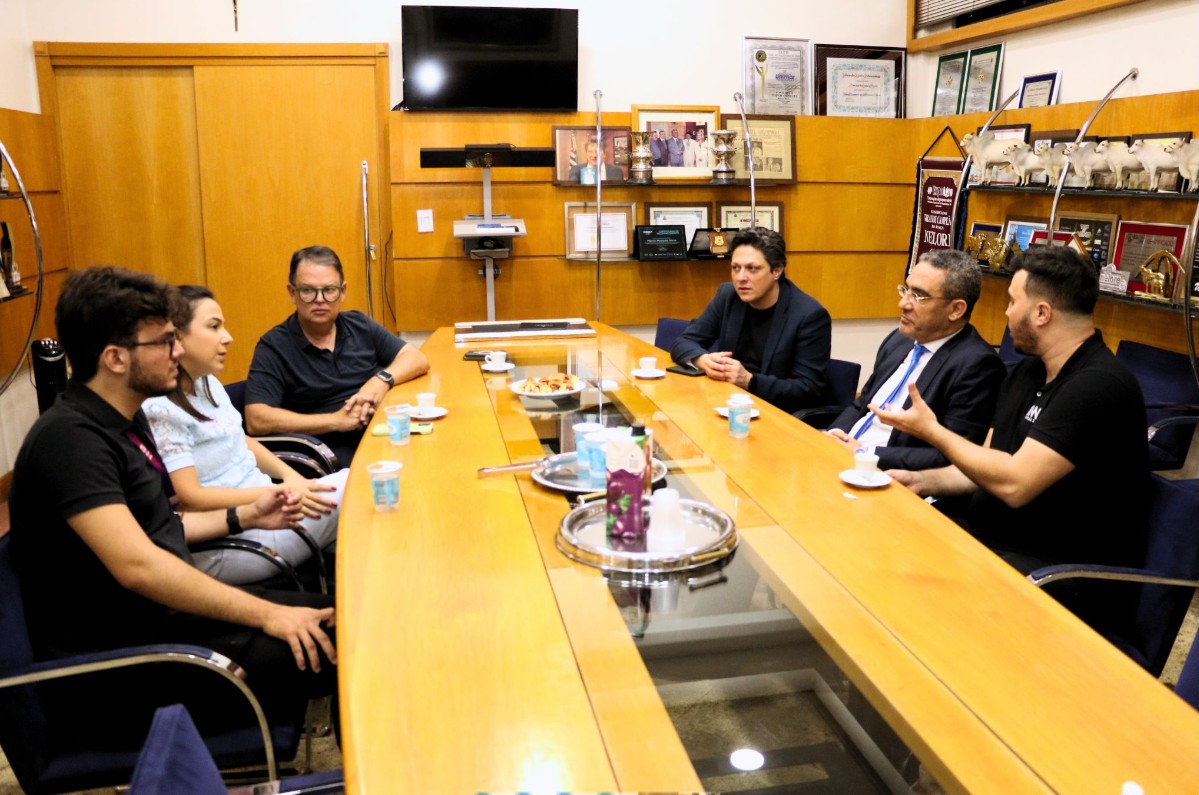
[(476, 657)]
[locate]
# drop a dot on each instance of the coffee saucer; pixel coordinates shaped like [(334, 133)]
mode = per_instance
[(875, 480), (435, 413), (501, 367), (648, 374)]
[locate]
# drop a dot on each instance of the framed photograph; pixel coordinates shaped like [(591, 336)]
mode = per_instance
[(947, 96), (617, 222), (577, 155), (737, 215), (860, 81), (1137, 241), (777, 75), (983, 67), (1095, 230), (773, 142), (1020, 229), (689, 215), (1167, 178), (1002, 174), (1037, 91), (680, 139)]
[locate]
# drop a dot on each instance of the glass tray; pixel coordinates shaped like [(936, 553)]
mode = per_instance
[(559, 472), (582, 536)]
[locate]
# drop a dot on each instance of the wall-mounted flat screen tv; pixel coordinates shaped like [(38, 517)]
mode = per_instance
[(472, 58)]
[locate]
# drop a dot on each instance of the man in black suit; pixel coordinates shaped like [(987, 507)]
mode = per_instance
[(770, 337), (957, 372)]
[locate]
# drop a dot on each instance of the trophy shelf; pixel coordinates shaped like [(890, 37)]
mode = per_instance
[(1093, 193)]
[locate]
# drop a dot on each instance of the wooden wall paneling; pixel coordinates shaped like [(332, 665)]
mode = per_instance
[(849, 217), (278, 176), (850, 284), (131, 169), (379, 193), (843, 149), (33, 145), (413, 131), (16, 315), (51, 223)]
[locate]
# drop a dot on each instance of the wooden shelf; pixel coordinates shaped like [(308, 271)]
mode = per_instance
[(1116, 298), (1090, 193)]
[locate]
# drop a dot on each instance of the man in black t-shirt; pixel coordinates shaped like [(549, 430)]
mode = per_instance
[(770, 337), (1061, 474), (101, 555)]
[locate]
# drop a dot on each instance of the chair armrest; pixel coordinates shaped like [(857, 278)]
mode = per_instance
[(819, 417), (129, 657), (1067, 571), (1180, 420), (304, 445), (322, 574), (252, 548)]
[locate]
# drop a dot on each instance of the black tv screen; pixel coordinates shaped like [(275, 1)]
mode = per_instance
[(469, 58)]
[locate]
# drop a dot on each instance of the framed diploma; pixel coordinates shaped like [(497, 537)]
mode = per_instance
[(1037, 91), (947, 95), (983, 67), (615, 238), (735, 215), (777, 76), (860, 81), (1137, 241), (773, 141), (689, 215), (667, 242)]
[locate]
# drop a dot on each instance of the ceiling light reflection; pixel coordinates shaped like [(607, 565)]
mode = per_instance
[(747, 759), (429, 77)]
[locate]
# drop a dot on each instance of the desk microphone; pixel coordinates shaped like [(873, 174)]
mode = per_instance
[(749, 159)]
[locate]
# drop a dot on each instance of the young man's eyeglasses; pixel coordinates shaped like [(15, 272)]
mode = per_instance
[(308, 294), (166, 340)]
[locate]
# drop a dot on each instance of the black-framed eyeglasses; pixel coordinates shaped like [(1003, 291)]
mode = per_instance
[(908, 292), (308, 294), (166, 340)]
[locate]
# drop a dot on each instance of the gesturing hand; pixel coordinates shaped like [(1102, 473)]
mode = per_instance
[(918, 419)]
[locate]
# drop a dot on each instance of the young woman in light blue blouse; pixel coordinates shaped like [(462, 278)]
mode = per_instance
[(213, 464)]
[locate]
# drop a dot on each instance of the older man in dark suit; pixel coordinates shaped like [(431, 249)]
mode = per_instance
[(938, 349), (770, 337)]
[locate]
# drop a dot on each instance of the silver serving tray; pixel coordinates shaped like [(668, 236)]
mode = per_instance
[(710, 536), (560, 472)]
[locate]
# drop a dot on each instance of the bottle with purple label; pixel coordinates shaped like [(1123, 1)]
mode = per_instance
[(625, 463)]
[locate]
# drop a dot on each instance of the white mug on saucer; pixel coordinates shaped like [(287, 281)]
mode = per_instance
[(648, 362), (497, 358), (426, 401), (865, 463)]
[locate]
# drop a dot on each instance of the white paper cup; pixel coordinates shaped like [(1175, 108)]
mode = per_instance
[(866, 463), (385, 484)]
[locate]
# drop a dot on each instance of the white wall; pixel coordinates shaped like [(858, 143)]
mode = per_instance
[(1160, 37)]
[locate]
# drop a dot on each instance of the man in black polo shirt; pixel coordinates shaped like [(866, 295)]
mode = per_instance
[(102, 557), (323, 371), (1060, 476)]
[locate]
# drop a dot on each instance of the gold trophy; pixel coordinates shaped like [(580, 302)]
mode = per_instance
[(723, 149), (1158, 275), (641, 158)]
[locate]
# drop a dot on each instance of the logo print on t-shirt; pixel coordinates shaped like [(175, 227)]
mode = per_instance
[(1033, 412)]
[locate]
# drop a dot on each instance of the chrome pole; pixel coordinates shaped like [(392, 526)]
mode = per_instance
[(367, 248), (749, 159), (599, 194), (1061, 180), (37, 245)]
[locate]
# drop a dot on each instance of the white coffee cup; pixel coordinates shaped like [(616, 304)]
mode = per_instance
[(648, 362), (496, 358), (866, 463), (426, 401)]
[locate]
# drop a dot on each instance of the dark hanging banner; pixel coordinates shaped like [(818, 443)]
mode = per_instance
[(938, 182)]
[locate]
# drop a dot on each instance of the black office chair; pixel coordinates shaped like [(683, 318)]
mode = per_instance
[(669, 329), (307, 454), (175, 760), (843, 389), (39, 758), (1168, 580), (1171, 401)]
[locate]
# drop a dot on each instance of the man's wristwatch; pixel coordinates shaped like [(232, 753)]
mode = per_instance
[(232, 522), (386, 378)]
